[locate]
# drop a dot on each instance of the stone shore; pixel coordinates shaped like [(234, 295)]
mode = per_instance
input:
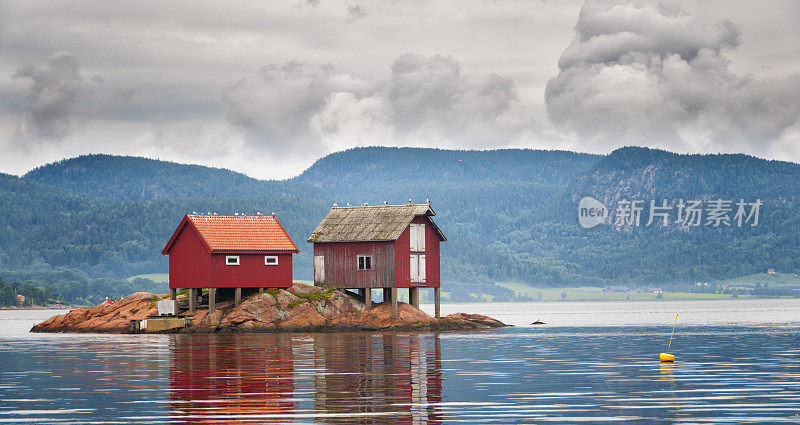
[(300, 308)]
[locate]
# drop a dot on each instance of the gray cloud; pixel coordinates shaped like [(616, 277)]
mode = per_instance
[(356, 12), (652, 74), (50, 98), (274, 107), (301, 106)]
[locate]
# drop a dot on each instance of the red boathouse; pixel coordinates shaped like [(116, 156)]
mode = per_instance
[(210, 251), (382, 246)]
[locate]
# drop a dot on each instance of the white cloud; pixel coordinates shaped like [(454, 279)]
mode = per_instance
[(652, 74)]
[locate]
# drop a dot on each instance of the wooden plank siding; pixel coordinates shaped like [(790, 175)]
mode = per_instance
[(189, 261), (403, 256), (251, 271), (341, 269)]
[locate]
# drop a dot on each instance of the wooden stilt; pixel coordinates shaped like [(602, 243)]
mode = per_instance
[(173, 293), (436, 298), (368, 298), (387, 294), (212, 300), (237, 299), (260, 290), (394, 301), (413, 296), (192, 300)]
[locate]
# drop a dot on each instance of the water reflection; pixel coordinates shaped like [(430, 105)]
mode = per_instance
[(231, 376), (333, 378)]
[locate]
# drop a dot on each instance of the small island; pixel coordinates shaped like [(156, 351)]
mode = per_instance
[(299, 308)]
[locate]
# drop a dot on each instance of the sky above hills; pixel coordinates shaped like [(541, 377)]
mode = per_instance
[(266, 88)]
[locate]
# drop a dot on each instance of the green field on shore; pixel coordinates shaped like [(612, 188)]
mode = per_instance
[(155, 277), (774, 280), (590, 293), (593, 293)]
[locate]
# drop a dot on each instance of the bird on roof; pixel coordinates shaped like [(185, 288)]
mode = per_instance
[(409, 201), (335, 205), (385, 202), (366, 204), (348, 204), (236, 214)]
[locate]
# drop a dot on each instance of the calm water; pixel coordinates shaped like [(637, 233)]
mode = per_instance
[(737, 362)]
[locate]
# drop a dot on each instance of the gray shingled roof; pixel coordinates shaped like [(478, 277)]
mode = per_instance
[(369, 223)]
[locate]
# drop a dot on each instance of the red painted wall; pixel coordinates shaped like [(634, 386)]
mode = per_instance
[(251, 271), (192, 266), (189, 261), (341, 269), (403, 256), (390, 261)]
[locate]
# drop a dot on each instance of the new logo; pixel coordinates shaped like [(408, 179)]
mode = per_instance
[(591, 212)]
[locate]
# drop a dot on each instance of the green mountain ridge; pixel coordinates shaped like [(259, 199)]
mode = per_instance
[(508, 214)]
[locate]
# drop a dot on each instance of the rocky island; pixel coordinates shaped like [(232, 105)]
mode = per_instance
[(299, 308)]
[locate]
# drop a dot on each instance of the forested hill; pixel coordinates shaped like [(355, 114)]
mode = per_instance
[(126, 178), (509, 215)]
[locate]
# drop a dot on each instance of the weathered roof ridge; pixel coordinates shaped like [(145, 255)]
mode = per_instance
[(368, 223), (388, 205)]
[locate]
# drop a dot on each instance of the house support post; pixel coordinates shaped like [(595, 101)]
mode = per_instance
[(436, 297), (212, 300), (173, 293), (367, 298), (413, 296), (238, 297), (192, 300), (394, 301), (260, 290), (387, 294)]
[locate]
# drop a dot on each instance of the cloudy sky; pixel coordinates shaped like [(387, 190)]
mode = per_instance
[(269, 87)]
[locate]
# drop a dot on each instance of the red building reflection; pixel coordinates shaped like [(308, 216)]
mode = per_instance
[(378, 378), (347, 378), (232, 378)]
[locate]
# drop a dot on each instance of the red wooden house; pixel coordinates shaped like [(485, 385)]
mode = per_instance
[(383, 246), (210, 251)]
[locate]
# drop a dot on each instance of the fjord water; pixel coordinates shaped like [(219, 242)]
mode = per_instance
[(737, 362)]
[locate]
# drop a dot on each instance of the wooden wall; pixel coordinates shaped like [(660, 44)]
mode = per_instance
[(432, 257), (341, 269)]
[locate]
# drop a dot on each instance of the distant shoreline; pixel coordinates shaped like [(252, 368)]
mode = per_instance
[(52, 307)]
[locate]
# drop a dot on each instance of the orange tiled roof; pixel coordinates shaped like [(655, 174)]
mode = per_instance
[(242, 233)]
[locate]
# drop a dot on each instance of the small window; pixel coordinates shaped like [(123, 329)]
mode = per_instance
[(270, 260), (231, 260), (365, 262)]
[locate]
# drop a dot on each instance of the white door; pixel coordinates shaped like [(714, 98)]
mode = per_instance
[(319, 270), (417, 237), (417, 263)]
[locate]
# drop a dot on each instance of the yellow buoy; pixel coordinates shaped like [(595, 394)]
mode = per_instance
[(666, 357)]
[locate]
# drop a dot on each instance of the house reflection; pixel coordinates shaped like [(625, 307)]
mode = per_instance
[(232, 378), (360, 377), (378, 378)]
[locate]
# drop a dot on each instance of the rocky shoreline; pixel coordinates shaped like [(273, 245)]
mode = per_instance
[(300, 308)]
